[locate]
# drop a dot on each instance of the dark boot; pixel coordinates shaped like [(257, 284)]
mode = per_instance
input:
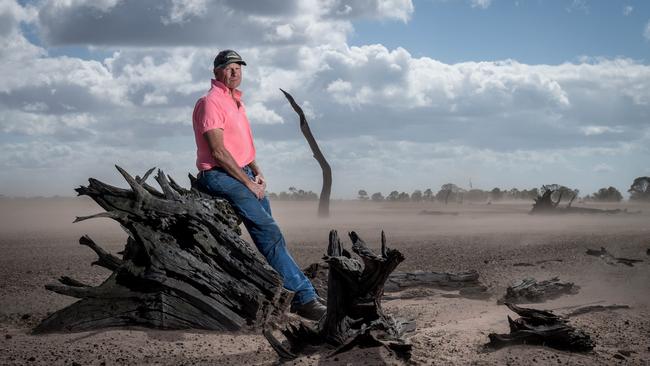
[(312, 310)]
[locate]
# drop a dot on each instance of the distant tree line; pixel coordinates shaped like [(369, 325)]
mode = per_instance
[(294, 194), (449, 192)]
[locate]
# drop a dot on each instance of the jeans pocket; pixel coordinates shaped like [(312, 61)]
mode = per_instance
[(214, 181)]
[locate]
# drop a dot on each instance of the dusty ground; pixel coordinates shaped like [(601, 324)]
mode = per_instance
[(38, 244)]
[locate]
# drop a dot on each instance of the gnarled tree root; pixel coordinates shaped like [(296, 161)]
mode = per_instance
[(184, 265)]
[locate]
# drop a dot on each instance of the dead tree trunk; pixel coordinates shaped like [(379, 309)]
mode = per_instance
[(354, 313), (184, 265), (324, 203)]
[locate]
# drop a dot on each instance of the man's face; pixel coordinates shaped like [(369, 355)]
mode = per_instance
[(230, 75)]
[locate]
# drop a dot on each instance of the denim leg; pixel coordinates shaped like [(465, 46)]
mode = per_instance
[(263, 230)]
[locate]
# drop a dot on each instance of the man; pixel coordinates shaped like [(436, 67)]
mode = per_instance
[(226, 161)]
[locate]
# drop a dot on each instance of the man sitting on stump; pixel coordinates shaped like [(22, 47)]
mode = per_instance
[(227, 169)]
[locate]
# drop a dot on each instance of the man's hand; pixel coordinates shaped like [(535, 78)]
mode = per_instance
[(256, 188), (259, 179)]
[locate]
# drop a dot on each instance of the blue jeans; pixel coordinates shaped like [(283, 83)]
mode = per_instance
[(256, 215)]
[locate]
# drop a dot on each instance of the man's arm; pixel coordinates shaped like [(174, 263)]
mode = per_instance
[(227, 162)]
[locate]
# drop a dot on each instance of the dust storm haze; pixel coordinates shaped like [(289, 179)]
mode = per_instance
[(39, 244)]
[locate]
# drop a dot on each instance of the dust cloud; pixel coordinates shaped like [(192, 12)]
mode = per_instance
[(39, 243)]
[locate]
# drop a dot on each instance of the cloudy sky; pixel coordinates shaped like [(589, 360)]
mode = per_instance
[(401, 94)]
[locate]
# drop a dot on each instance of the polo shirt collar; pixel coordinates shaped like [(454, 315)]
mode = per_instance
[(218, 85)]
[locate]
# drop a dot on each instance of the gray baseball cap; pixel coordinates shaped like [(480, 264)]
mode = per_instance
[(227, 57)]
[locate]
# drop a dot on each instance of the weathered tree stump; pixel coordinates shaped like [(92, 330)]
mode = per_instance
[(184, 265), (541, 327), (529, 290), (354, 314)]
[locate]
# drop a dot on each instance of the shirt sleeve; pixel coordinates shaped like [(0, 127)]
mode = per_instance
[(209, 116)]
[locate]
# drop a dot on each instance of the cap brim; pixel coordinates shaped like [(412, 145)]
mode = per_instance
[(230, 62)]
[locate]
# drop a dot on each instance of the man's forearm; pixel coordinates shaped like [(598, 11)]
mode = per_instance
[(227, 163)]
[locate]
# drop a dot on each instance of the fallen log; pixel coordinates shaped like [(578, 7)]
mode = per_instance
[(467, 283), (354, 314), (184, 265), (610, 259), (594, 309), (529, 290), (540, 327)]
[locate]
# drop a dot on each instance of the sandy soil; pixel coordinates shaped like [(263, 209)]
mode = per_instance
[(38, 243)]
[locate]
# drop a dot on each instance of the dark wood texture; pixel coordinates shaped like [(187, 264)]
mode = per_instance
[(354, 314), (529, 290), (542, 328), (184, 265), (467, 283), (324, 202)]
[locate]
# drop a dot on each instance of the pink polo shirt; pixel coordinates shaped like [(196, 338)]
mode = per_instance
[(217, 109)]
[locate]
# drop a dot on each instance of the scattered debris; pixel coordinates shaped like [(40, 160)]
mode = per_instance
[(429, 212), (594, 308), (550, 260), (8, 336), (625, 352), (526, 264), (543, 328), (529, 290), (610, 259)]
